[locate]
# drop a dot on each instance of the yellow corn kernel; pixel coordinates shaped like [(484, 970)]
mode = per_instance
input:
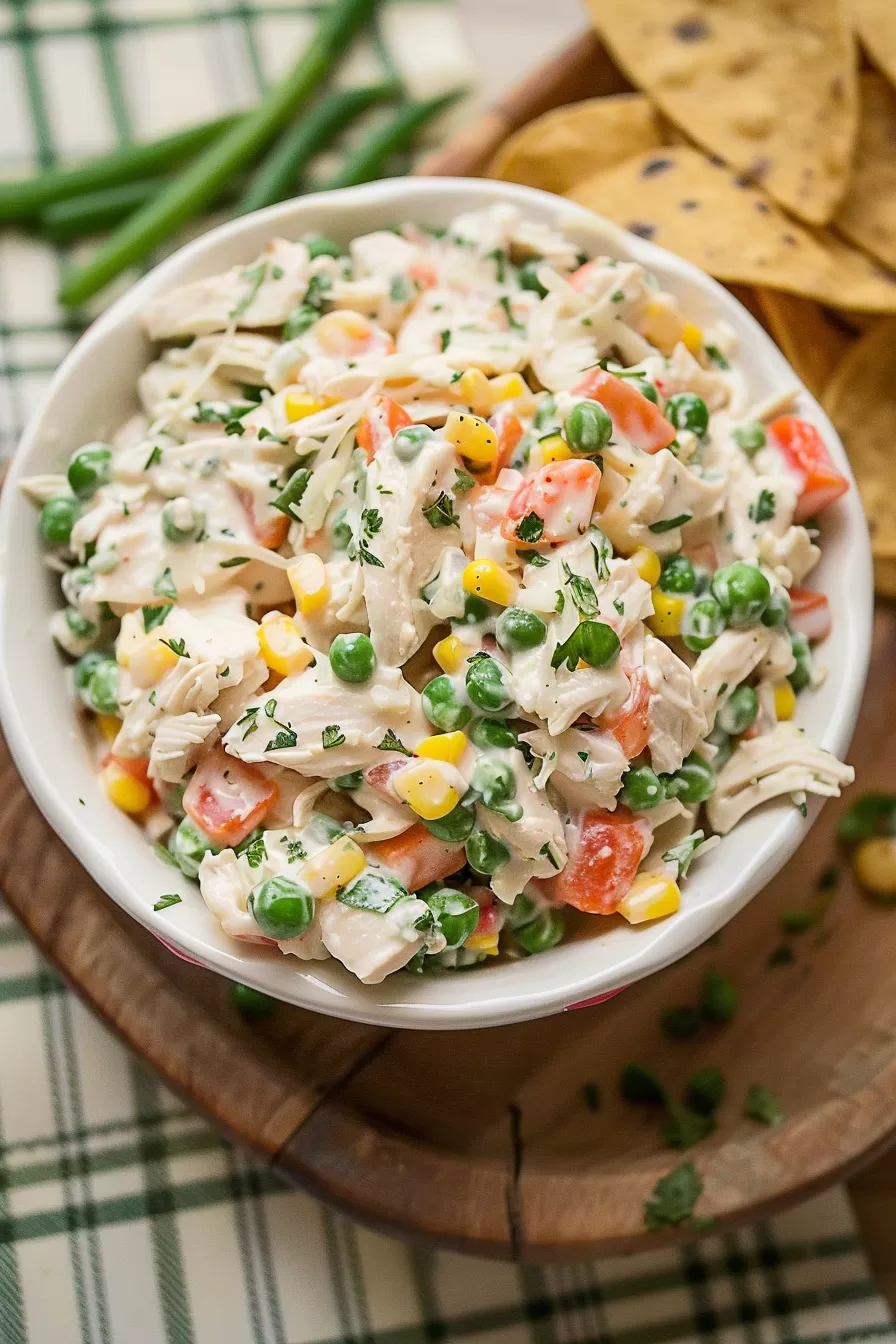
[(427, 789), (298, 405), (473, 438), (121, 788), (448, 747), (474, 389), (449, 653), (108, 725), (309, 583), (486, 579), (282, 647), (647, 563), (667, 613), (662, 325), (554, 449), (874, 864), (651, 896), (483, 942), (334, 867), (507, 387), (130, 634), (150, 660), (785, 701), (692, 337)]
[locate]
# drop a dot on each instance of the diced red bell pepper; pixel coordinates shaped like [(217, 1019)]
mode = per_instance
[(810, 613), (633, 414), (380, 423), (417, 857), (491, 913), (269, 531), (602, 863), (228, 798), (508, 427), (630, 725), (562, 494), (807, 454)]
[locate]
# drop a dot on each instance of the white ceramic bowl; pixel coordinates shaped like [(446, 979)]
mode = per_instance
[(93, 391)]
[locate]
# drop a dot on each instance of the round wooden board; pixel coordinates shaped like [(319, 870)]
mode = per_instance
[(481, 1140)]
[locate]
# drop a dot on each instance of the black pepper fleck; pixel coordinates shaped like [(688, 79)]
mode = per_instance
[(691, 30), (655, 166), (642, 230)]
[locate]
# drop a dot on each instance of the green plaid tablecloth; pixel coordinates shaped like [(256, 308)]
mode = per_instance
[(123, 1218)]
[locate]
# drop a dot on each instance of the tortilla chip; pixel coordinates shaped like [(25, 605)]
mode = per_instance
[(861, 401), (559, 149), (680, 199), (867, 215), (813, 339), (875, 23), (769, 87)]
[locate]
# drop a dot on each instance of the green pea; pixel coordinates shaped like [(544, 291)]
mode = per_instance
[(352, 658), (476, 610), (702, 624), (494, 781), (742, 591), (75, 581), (646, 389), (739, 710), (528, 275), (641, 789), (57, 518), (719, 739), (687, 411), (456, 914), (456, 827), (342, 532), (523, 911), (749, 437), (346, 783), (79, 625), (182, 521), (86, 665), (487, 733), (598, 644), (251, 1003), (543, 933), (319, 246), (778, 610), (693, 783), (677, 575), (519, 628), (485, 854), (89, 468), (299, 320), (281, 907), (486, 685), (190, 847), (588, 428), (102, 688), (442, 706), (802, 673), (410, 440)]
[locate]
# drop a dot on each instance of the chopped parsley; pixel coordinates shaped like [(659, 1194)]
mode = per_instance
[(164, 585), (178, 646), (534, 558), (235, 427), (683, 853), (153, 616), (295, 850), (719, 998), (285, 738), (764, 508), (277, 272), (154, 458), (253, 849), (444, 340), (163, 902), (371, 521), (640, 1085), (251, 718), (798, 921), (619, 605), (603, 553), (254, 278), (591, 1096), (462, 481), (581, 591), (674, 1197), (400, 289), (164, 853), (531, 528), (684, 1127), (667, 524), (332, 736), (717, 357), (617, 296), (762, 1105), (782, 956), (367, 557), (560, 604), (392, 743), (512, 322), (233, 562), (441, 512), (499, 257), (546, 852), (680, 1023)]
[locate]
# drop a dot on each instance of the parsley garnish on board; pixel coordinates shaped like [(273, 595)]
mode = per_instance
[(531, 528), (581, 591), (163, 902), (392, 743), (762, 1105), (332, 736), (674, 1197), (441, 512), (763, 509), (153, 616)]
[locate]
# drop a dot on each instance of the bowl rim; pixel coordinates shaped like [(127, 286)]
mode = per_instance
[(507, 993)]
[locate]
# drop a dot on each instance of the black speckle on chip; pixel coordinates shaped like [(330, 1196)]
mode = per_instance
[(689, 205), (763, 207), (716, 161), (642, 230), (691, 30), (759, 169), (654, 166), (789, 239), (741, 180)]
